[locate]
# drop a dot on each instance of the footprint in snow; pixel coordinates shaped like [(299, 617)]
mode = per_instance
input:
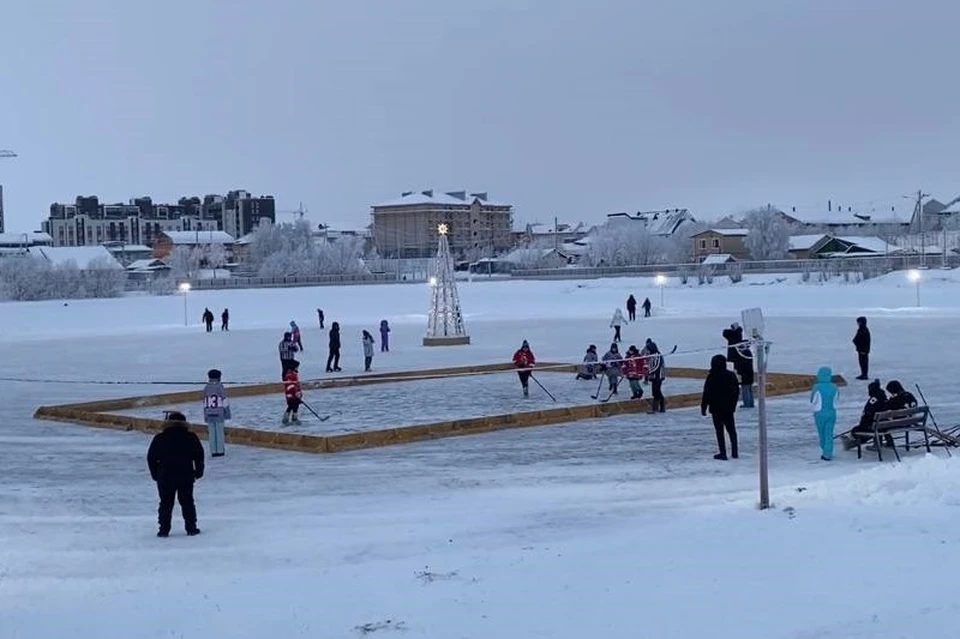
[(388, 624)]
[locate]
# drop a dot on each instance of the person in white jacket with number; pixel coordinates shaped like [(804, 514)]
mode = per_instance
[(216, 409)]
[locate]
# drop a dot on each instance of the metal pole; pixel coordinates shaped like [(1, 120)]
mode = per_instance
[(761, 348), (923, 237), (918, 292), (185, 323), (661, 294)]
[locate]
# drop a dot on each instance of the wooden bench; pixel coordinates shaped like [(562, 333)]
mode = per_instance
[(893, 424)]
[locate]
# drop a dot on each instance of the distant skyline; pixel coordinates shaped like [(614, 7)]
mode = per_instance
[(567, 109)]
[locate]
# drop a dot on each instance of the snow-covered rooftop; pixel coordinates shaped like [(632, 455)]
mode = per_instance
[(82, 256), (192, 238), (726, 232), (449, 198), (129, 248), (718, 258), (661, 223), (805, 242), (835, 217), (872, 244), (19, 239), (152, 264)]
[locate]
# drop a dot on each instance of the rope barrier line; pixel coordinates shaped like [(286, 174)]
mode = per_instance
[(334, 382)]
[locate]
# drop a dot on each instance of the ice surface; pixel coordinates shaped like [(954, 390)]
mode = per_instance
[(623, 527)]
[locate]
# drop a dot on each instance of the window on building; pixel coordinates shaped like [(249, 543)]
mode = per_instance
[(703, 244), (716, 242)]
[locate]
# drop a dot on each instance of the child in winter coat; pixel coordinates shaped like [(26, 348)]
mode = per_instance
[(634, 369), (368, 343), (524, 360), (295, 335), (588, 370), (616, 323), (216, 409), (293, 393), (612, 363), (384, 336), (824, 397)]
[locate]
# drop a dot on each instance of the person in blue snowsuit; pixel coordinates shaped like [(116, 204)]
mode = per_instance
[(824, 397)]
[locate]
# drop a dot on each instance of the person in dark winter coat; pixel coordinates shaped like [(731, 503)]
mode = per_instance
[(524, 360), (900, 397), (368, 342), (720, 394), (861, 341), (588, 370), (656, 373), (288, 350), (740, 355), (612, 363), (320, 316), (208, 319), (175, 460), (876, 403), (225, 320), (384, 336), (646, 307), (631, 308), (333, 357), (216, 410)]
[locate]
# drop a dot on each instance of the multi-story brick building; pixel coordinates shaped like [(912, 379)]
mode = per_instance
[(88, 222), (407, 227)]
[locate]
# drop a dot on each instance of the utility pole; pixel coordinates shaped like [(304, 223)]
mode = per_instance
[(4, 153), (556, 235), (918, 210)]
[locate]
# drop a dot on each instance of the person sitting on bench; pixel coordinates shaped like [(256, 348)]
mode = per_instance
[(900, 398), (876, 403)]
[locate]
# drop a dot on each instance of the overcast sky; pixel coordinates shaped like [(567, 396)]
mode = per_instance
[(565, 108)]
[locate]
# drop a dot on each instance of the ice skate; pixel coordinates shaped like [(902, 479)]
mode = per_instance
[(295, 419), (286, 419), (526, 392)]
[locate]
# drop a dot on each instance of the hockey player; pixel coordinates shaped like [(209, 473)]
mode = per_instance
[(612, 363), (524, 360), (824, 397), (295, 335), (293, 393), (287, 351), (588, 370), (368, 344), (616, 323), (656, 373), (216, 409), (634, 369)]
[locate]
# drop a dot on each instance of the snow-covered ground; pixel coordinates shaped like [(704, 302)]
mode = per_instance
[(624, 527)]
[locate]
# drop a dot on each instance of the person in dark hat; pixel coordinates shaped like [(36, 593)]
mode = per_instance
[(876, 403), (861, 341), (175, 460), (721, 391), (524, 360), (588, 370), (900, 397)]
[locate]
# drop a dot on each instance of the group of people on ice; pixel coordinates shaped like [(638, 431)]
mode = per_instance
[(292, 343)]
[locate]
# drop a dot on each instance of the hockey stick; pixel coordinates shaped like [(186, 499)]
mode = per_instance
[(599, 386), (613, 390), (307, 406), (542, 387), (948, 439)]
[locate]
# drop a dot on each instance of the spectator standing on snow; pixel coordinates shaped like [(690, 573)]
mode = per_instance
[(333, 356), (384, 336), (293, 393), (588, 370), (612, 363), (175, 460), (368, 343), (225, 320), (216, 409), (631, 308), (295, 335), (634, 369), (615, 324), (721, 391), (824, 398), (288, 351), (646, 307), (861, 341), (320, 316), (524, 360), (656, 373), (208, 319)]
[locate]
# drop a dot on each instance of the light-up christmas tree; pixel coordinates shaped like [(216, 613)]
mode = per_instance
[(445, 326)]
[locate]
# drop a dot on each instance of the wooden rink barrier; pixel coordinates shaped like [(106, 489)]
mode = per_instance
[(98, 413)]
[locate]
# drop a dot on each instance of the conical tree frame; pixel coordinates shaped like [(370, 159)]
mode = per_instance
[(445, 324)]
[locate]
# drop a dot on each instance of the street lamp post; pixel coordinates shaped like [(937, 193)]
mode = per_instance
[(915, 276), (661, 281), (185, 288)]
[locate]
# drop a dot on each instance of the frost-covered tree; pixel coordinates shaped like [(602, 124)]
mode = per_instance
[(343, 256), (31, 277), (103, 277), (626, 245), (291, 250), (215, 256), (184, 261), (769, 235)]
